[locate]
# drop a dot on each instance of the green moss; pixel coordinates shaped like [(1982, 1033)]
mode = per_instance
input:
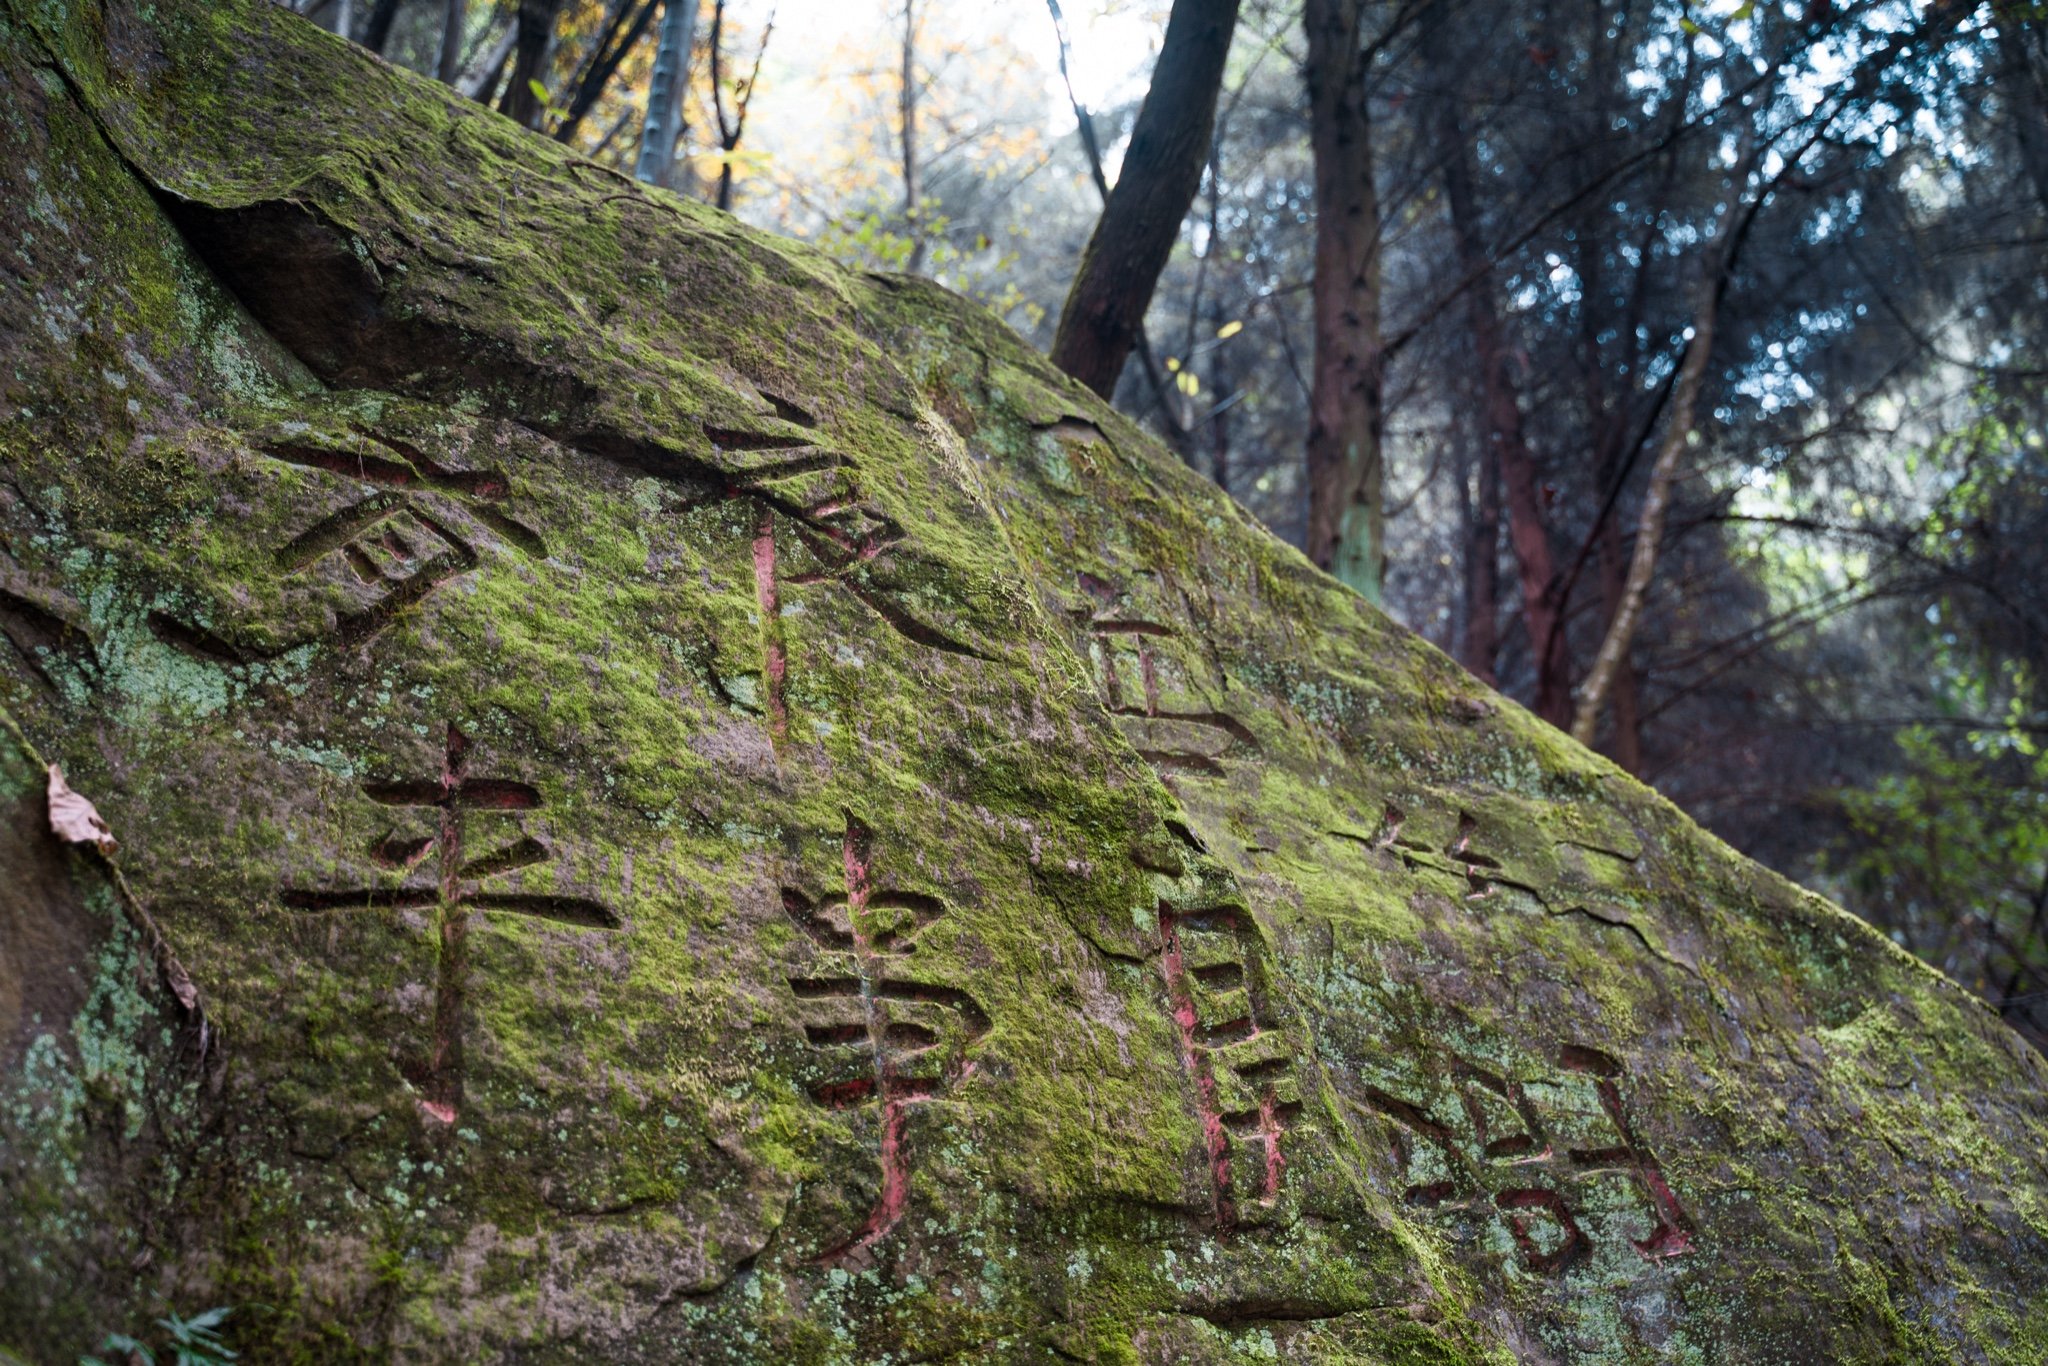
[(1054, 692)]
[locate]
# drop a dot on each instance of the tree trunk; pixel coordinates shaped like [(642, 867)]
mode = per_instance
[(906, 118), (1221, 398), (454, 18), (536, 26), (377, 32), (1161, 172), (1625, 741), (731, 130), (1479, 643), (604, 65), (1346, 522), (1084, 124), (1642, 566), (1506, 457), (2025, 80), (663, 132), (728, 134)]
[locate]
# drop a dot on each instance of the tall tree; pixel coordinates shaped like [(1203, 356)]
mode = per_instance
[(1678, 432), (663, 131), (454, 19), (1504, 454), (520, 101), (625, 24), (1161, 173), (733, 127), (2023, 53), (1347, 414), (908, 91), (377, 32)]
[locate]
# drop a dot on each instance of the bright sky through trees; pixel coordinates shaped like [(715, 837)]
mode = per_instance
[(824, 48)]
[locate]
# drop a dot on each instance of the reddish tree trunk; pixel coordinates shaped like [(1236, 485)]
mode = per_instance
[(1507, 461)]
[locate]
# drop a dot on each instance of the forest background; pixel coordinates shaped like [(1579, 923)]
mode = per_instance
[(1676, 366)]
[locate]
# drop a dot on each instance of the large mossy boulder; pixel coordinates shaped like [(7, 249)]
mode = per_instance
[(678, 802)]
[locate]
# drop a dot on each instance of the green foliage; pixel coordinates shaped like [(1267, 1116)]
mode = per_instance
[(874, 239), (190, 1342), (1950, 852), (889, 238)]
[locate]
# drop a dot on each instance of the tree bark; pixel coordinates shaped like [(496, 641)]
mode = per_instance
[(1479, 643), (1692, 375), (907, 93), (1084, 125), (1505, 459), (731, 130), (612, 49), (1625, 742), (1222, 396), (536, 26), (1162, 170), (663, 131), (1346, 519), (482, 84), (1625, 738), (2025, 78), (454, 18), (377, 32)]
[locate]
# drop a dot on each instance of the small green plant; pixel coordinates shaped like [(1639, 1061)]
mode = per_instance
[(193, 1342)]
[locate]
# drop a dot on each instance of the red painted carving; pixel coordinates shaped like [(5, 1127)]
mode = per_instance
[(1517, 1139), (1123, 643), (1241, 1071), (812, 496), (1572, 1243), (1506, 1137), (1670, 1229), (457, 886), (876, 1018)]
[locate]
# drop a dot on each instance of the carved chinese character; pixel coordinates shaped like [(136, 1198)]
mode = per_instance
[(1519, 1210), (1147, 675), (1246, 1094), (1423, 845), (398, 544), (1492, 1160), (1445, 1171), (1670, 1232), (883, 1034), (1170, 730), (812, 525), (1426, 1152), (445, 876)]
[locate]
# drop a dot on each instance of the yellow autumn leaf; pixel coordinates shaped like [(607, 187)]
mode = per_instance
[(1229, 329)]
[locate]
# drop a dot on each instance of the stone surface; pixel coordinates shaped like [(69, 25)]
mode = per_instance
[(720, 810)]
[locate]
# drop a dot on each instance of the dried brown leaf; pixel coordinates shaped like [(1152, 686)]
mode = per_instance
[(72, 817)]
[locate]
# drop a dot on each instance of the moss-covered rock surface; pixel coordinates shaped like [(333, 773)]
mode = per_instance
[(718, 809)]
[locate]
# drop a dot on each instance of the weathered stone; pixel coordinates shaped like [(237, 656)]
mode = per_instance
[(720, 810)]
